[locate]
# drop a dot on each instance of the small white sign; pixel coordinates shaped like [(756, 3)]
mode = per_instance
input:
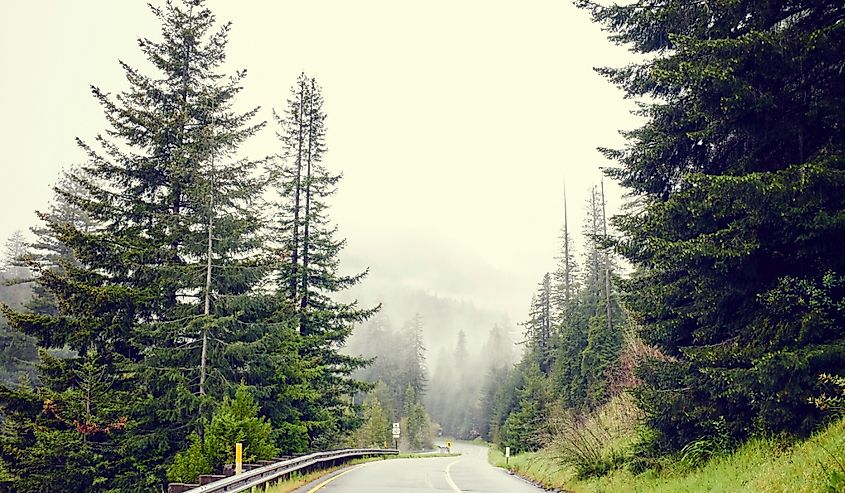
[(395, 430), (507, 451)]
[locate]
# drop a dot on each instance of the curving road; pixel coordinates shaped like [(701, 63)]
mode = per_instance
[(469, 472)]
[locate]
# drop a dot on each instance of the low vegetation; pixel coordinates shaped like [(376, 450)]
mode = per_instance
[(814, 465)]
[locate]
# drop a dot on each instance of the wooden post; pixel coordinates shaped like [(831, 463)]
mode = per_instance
[(239, 458)]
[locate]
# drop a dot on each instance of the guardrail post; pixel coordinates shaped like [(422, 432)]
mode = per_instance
[(239, 458)]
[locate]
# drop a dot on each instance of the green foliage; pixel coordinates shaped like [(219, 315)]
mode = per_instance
[(771, 464), (598, 356), (157, 261), (235, 421), (416, 423), (76, 422), (738, 174), (300, 231), (189, 464), (375, 431), (522, 429), (835, 400)]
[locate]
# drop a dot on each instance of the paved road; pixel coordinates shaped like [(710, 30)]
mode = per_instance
[(469, 472)]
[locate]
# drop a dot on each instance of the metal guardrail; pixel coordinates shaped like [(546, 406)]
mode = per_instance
[(261, 476)]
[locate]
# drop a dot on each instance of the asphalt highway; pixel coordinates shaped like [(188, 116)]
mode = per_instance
[(468, 472)]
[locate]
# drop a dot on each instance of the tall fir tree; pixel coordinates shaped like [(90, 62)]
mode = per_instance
[(301, 229), (565, 278), (739, 174), (538, 327), (164, 171)]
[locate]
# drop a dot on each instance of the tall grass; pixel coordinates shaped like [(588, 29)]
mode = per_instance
[(815, 465), (594, 444)]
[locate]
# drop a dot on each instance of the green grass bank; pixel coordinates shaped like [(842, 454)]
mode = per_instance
[(815, 465)]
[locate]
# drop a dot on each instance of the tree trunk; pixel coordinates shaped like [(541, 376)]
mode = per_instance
[(294, 259), (606, 264), (303, 305), (209, 251)]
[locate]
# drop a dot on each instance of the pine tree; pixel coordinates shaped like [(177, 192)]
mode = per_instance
[(14, 252), (163, 172), (739, 174), (538, 327), (415, 364), (375, 432), (48, 251), (301, 229), (565, 278)]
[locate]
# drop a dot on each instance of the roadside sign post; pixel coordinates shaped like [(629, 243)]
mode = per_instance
[(396, 434), (449, 446), (507, 455), (239, 458)]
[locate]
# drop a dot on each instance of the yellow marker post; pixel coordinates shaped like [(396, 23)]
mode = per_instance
[(449, 446), (239, 458)]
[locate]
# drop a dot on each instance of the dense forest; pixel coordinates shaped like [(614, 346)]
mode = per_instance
[(730, 323), (178, 296)]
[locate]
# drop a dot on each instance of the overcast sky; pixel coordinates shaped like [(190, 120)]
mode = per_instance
[(454, 123)]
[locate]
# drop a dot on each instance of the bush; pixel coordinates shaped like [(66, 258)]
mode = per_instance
[(236, 420), (593, 444)]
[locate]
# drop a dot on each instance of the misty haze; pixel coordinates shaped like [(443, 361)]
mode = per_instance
[(293, 246)]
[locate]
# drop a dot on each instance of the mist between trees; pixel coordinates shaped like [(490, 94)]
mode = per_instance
[(180, 296), (573, 337)]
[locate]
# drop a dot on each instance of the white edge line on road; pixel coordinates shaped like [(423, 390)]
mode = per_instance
[(449, 477)]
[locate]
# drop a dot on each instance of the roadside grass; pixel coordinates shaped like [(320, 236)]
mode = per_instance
[(297, 480), (815, 465)]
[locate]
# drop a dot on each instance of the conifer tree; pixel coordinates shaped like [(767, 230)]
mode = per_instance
[(415, 364), (133, 295), (538, 327), (738, 173), (48, 251), (300, 228), (375, 431), (565, 277)]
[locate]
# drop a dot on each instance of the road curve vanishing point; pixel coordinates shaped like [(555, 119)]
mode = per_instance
[(468, 473)]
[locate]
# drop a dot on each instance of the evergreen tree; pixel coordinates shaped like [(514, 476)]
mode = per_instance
[(538, 327), (739, 174), (565, 278), (415, 362), (235, 421), (417, 427), (13, 255), (48, 251), (521, 427), (163, 180), (375, 432), (301, 228)]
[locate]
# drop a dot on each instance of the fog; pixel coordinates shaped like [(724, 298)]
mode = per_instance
[(455, 125)]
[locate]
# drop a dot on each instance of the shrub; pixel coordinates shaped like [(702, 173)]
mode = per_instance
[(236, 420), (596, 443)]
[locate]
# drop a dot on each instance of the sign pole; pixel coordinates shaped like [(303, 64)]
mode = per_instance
[(239, 458)]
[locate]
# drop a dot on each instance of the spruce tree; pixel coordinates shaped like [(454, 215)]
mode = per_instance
[(415, 362), (538, 327), (738, 173), (161, 174), (565, 278), (301, 228)]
